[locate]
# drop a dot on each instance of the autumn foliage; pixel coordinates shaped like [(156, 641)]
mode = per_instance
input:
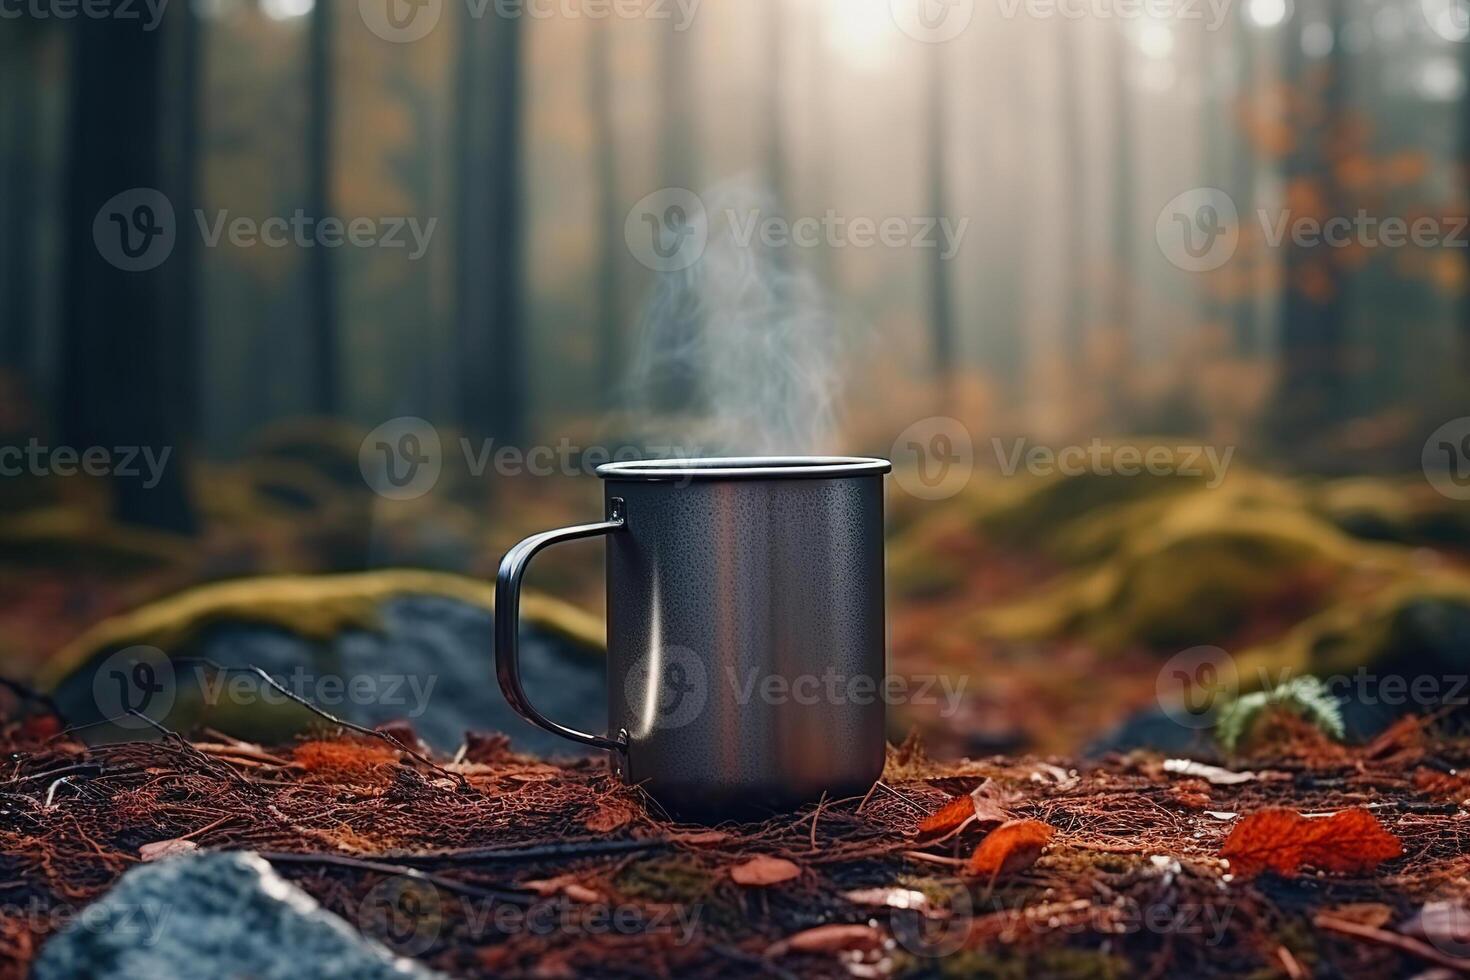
[(1013, 846), (1284, 841)]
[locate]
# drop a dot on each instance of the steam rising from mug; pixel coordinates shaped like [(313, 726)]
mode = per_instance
[(738, 352)]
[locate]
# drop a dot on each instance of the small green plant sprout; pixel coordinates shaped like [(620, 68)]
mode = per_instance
[(1306, 697)]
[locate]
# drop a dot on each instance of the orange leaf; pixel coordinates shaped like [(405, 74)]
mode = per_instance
[(828, 939), (979, 803), (1284, 841), (949, 816), (764, 870), (1013, 846)]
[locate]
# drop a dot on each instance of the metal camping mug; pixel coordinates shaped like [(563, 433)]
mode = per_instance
[(745, 629)]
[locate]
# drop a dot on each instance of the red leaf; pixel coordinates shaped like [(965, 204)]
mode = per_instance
[(1013, 846), (1350, 841)]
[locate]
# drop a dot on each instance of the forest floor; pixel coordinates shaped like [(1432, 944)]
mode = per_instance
[(1312, 860)]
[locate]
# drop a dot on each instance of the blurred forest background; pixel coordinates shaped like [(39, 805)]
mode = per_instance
[(529, 141)]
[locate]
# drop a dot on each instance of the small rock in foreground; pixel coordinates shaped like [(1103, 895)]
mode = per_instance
[(214, 915)]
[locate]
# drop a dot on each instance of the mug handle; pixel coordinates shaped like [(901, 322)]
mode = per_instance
[(508, 616)]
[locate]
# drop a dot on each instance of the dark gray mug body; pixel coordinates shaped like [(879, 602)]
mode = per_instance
[(746, 639)]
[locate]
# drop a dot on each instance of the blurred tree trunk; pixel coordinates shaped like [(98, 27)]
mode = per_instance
[(1464, 139), (819, 136), (1122, 313), (180, 177), (1243, 178), (491, 386), (675, 386), (775, 102), (610, 243), (1074, 200), (320, 264), (1313, 310), (118, 347), (19, 125), (941, 295)]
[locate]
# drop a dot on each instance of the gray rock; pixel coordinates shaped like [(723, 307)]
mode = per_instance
[(214, 915), (431, 663)]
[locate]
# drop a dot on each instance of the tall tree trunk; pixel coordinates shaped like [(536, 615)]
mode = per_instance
[(320, 264), (941, 296), (1464, 138), (1313, 310), (180, 176), (1074, 201), (775, 117), (610, 243), (1124, 196), (1243, 177), (18, 139), (675, 386), (491, 389), (118, 347)]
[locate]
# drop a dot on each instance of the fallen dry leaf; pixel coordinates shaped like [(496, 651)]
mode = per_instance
[(980, 804), (567, 885), (1211, 774), (609, 815), (165, 848), (1013, 846), (1284, 841), (764, 870), (828, 939)]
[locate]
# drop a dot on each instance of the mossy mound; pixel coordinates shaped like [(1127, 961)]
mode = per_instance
[(312, 607), (328, 446), (1419, 627), (1190, 569), (1403, 510), (78, 539)]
